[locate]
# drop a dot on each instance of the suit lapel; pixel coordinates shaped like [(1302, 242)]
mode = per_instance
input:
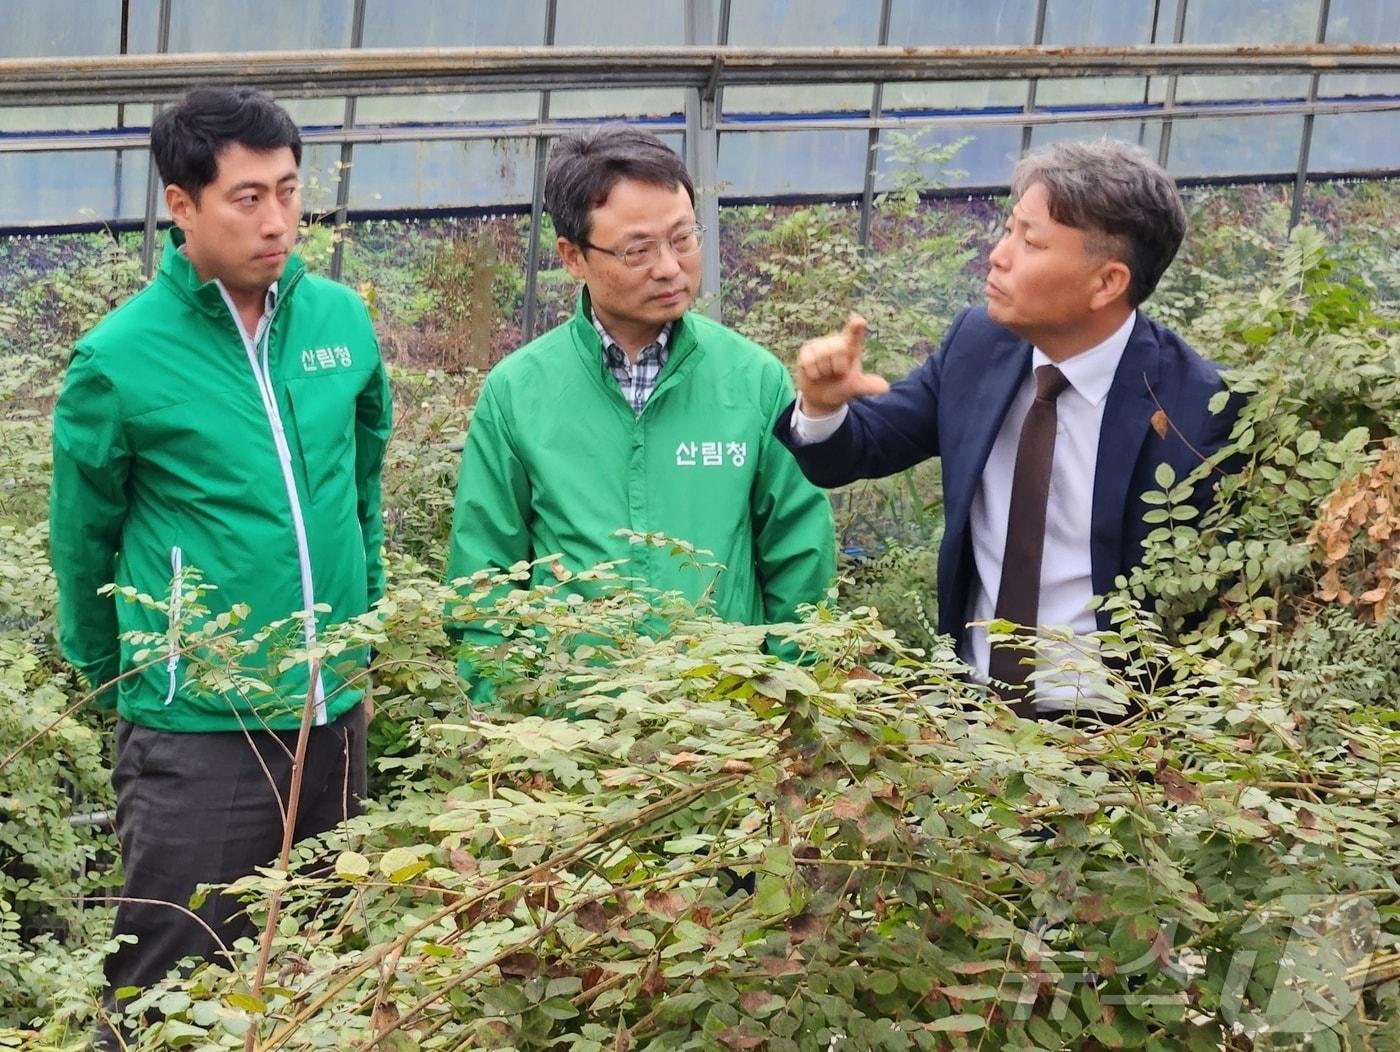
[(997, 383), (1127, 416)]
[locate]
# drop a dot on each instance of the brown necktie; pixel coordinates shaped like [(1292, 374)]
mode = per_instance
[(1018, 598)]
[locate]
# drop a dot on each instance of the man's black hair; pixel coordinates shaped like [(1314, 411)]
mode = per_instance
[(186, 139), (583, 169)]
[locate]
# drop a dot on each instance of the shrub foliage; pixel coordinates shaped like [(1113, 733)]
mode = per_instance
[(673, 840)]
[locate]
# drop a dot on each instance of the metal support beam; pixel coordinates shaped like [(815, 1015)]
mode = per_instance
[(1147, 81), (1034, 82), (702, 147), (532, 250), (148, 235), (872, 141), (79, 142), (124, 45), (347, 157), (1300, 180), (1164, 145), (416, 71)]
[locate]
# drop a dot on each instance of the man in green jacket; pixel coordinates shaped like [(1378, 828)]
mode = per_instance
[(637, 415), (229, 418)]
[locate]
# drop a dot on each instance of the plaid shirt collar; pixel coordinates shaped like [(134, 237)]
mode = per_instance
[(636, 381)]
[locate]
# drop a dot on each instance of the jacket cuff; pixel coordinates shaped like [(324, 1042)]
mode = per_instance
[(99, 673)]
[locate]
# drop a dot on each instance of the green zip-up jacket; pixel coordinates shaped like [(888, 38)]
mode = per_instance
[(557, 462), (181, 442)]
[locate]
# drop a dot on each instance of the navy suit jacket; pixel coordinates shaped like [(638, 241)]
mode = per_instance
[(952, 407)]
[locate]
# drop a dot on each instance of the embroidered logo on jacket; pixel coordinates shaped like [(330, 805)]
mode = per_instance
[(321, 358), (711, 454)]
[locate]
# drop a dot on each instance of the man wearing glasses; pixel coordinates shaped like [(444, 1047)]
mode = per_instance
[(636, 416)]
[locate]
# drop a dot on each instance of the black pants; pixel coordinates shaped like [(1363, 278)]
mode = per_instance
[(200, 809)]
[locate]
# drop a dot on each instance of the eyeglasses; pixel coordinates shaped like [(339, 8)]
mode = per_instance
[(640, 255)]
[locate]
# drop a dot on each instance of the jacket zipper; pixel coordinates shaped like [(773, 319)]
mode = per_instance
[(172, 663), (263, 378)]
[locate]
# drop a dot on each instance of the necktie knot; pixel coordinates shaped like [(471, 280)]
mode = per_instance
[(1049, 382)]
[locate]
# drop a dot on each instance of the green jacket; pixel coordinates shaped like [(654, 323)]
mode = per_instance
[(556, 462), (178, 444)]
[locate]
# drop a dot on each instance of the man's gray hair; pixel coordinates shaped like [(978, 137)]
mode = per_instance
[(1124, 202)]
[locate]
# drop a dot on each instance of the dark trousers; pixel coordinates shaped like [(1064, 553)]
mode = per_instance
[(201, 809)]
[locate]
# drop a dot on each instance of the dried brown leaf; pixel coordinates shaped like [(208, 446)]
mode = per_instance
[(850, 806), (1177, 787), (1160, 424), (591, 917), (776, 966), (667, 904), (520, 965)]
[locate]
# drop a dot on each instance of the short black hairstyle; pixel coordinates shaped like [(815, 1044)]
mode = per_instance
[(583, 169), (186, 139)]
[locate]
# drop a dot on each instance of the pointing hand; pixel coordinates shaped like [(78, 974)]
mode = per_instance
[(829, 372)]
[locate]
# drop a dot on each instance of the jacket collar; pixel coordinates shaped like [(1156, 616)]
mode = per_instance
[(678, 345), (176, 268)]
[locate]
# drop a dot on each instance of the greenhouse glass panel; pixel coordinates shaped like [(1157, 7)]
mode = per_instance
[(1092, 91), (67, 118), (620, 104), (1235, 146), (932, 23), (801, 23), (1358, 85), (795, 163), (434, 175), (1261, 22), (453, 23), (260, 25), (320, 178), (60, 27), (936, 23), (1144, 133), (628, 23), (439, 109), (1098, 23), (64, 189), (1363, 22), (956, 96), (315, 113), (1356, 142), (984, 157)]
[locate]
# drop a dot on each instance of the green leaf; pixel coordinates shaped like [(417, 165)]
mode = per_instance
[(962, 1023), (351, 866), (398, 859), (772, 898), (882, 982), (247, 1001), (1164, 475)]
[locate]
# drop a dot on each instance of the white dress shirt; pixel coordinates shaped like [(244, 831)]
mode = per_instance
[(1066, 578)]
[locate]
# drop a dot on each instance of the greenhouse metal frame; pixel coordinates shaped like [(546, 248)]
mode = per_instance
[(705, 66)]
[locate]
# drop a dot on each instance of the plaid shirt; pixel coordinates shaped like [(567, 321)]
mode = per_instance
[(637, 382)]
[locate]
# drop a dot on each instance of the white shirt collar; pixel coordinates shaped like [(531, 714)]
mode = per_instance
[(1091, 372)]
